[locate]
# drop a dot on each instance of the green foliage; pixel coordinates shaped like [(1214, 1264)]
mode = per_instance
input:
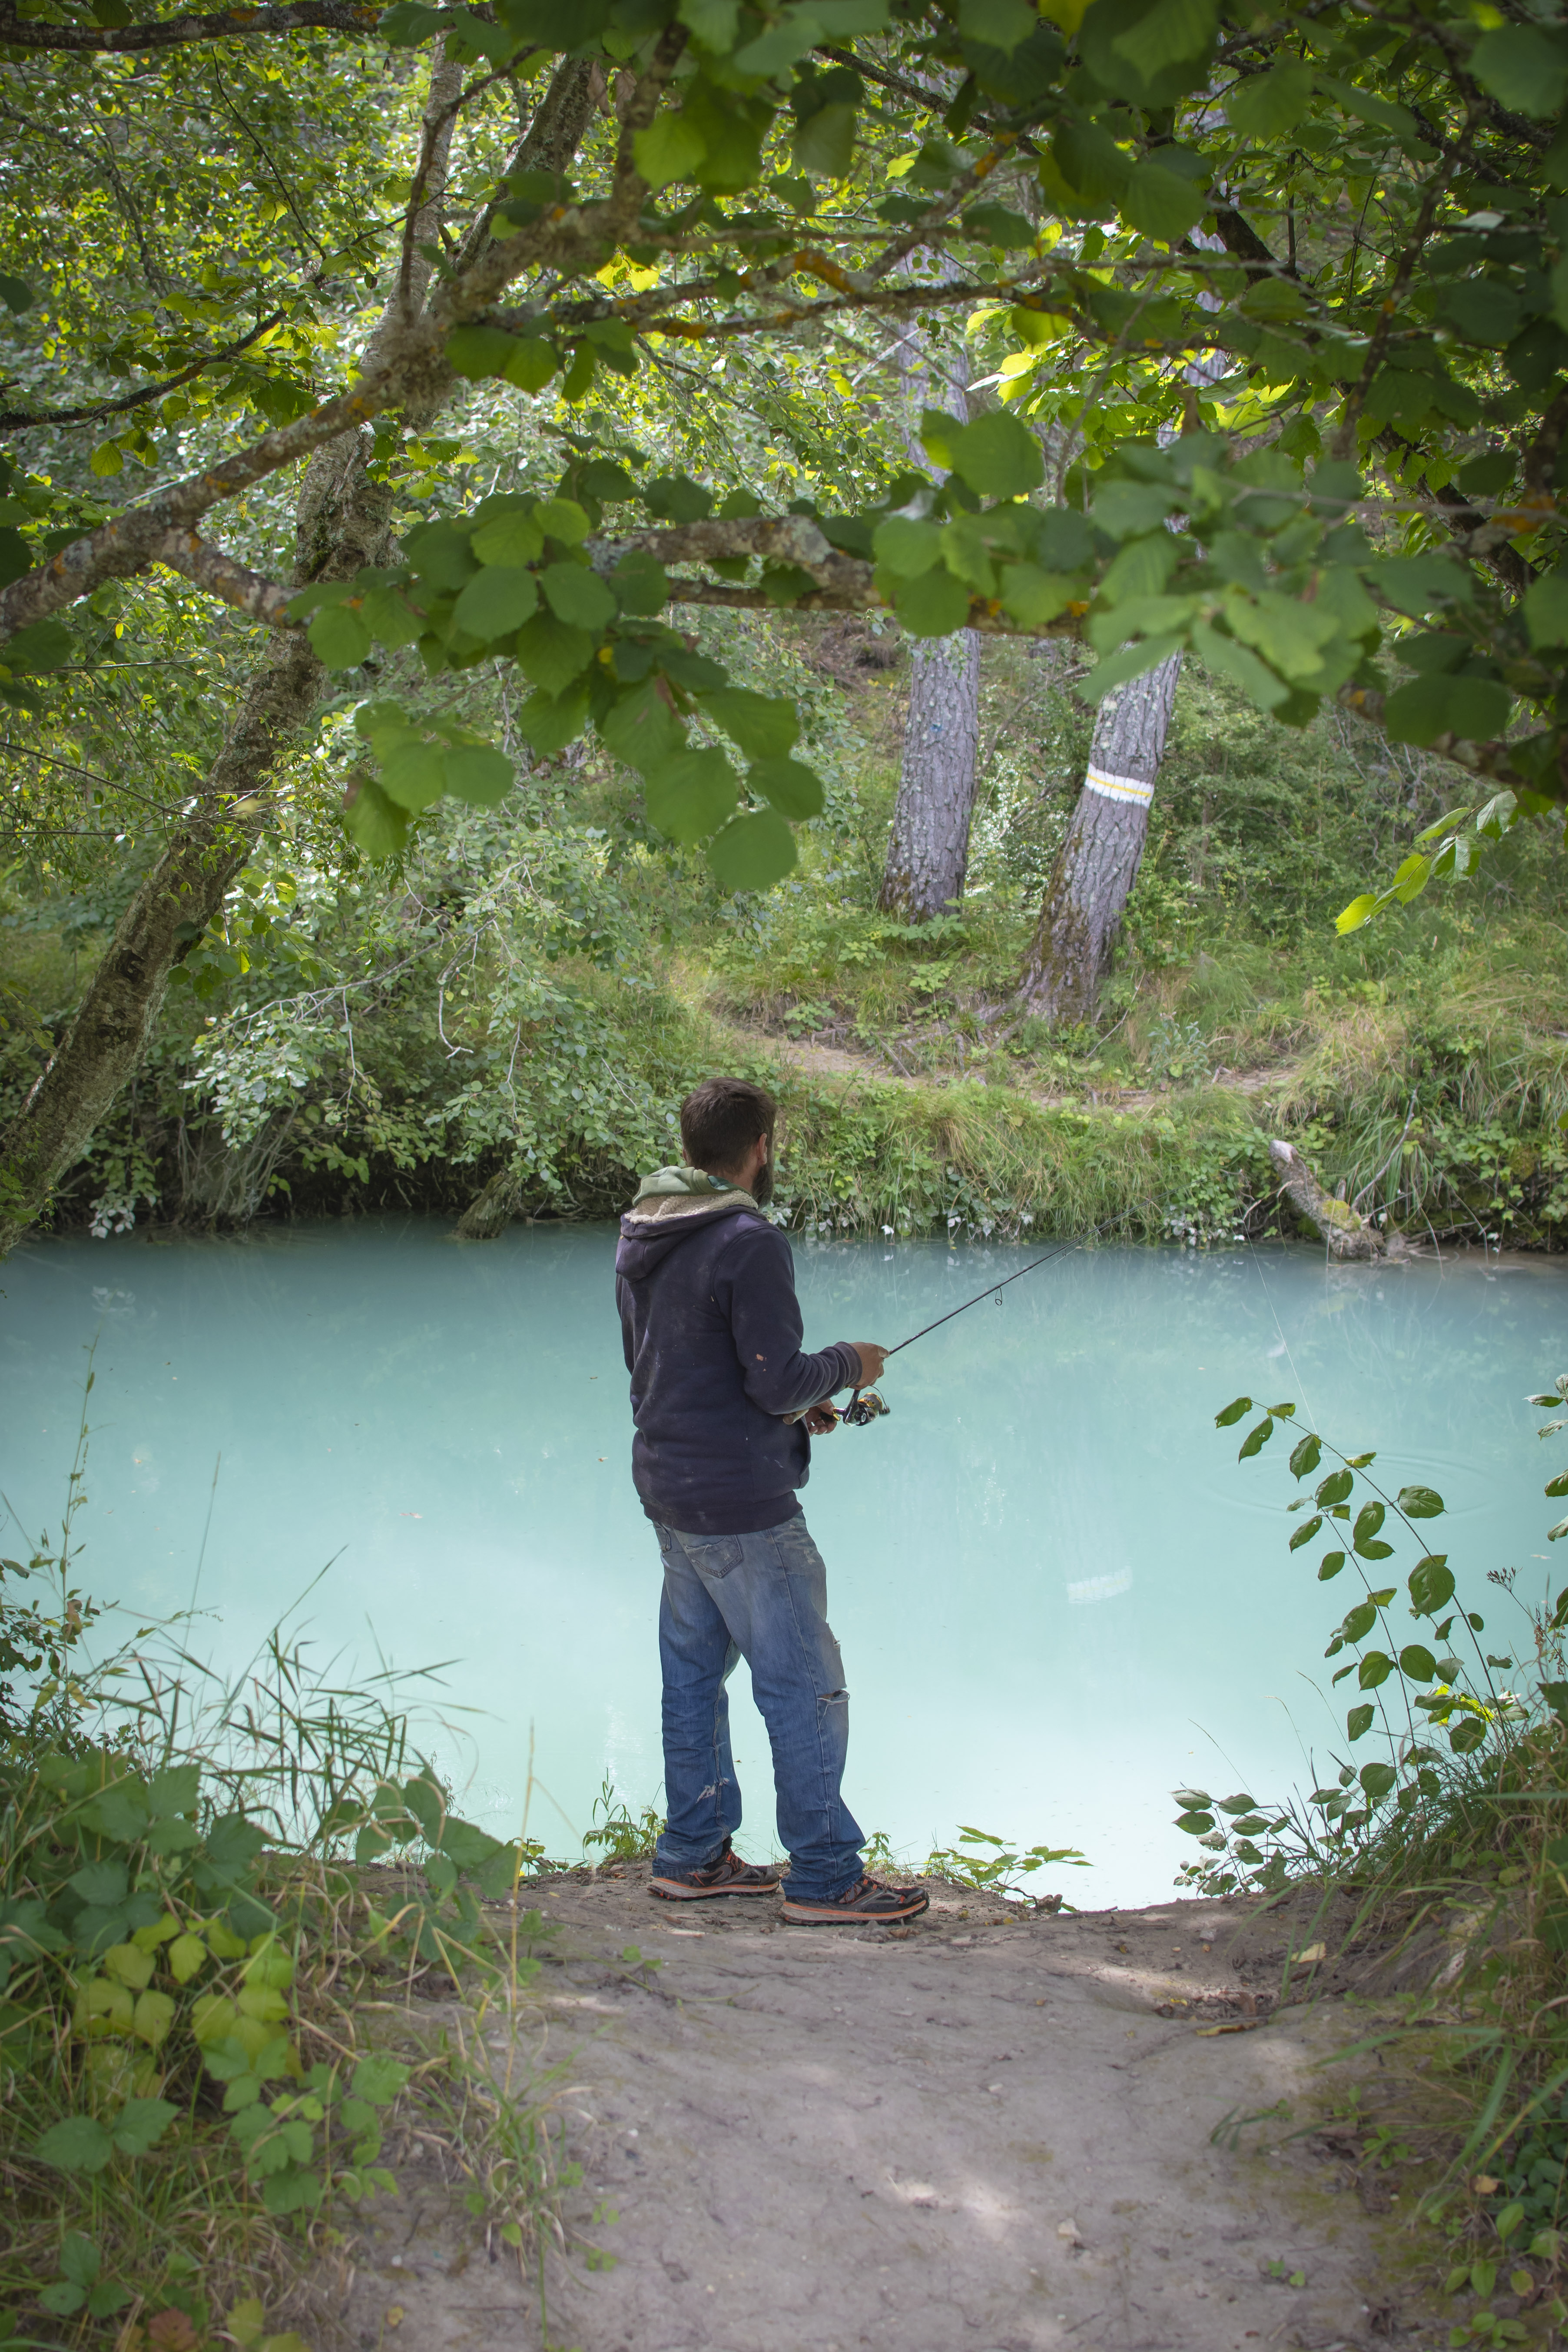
[(999, 1871)]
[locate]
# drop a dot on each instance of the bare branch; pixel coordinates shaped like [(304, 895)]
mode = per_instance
[(234, 583)]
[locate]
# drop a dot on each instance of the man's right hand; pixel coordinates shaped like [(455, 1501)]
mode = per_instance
[(872, 1360)]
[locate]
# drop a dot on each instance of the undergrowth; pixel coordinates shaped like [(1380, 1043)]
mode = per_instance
[(1449, 1847), (221, 1909)]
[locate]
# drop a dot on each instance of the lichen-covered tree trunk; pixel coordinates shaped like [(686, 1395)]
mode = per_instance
[(928, 849), (928, 852), (1098, 861), (343, 522)]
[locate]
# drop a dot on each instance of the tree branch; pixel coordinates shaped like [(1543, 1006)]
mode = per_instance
[(18, 32), (234, 583), (18, 420)]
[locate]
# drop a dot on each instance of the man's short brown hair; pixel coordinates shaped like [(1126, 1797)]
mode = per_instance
[(722, 1120)]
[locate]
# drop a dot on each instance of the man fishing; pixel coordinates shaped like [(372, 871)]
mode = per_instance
[(725, 1402)]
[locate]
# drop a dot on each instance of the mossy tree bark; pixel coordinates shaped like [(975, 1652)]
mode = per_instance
[(1099, 862), (343, 522)]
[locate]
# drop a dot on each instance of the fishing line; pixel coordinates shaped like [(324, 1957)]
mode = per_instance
[(864, 1406)]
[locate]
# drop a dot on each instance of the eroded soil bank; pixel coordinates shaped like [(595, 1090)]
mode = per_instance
[(983, 2130)]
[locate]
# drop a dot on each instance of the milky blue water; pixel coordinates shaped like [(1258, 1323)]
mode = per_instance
[(1059, 1595)]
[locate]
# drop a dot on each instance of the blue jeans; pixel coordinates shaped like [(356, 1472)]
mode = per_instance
[(762, 1598)]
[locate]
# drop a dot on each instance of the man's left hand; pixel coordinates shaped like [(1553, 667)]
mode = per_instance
[(821, 1420)]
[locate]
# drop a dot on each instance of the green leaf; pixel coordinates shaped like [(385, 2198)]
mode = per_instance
[(102, 1884), (496, 600), (1330, 1566), (1195, 1823), (997, 456), (547, 723), (378, 825), (43, 645), (764, 726), (480, 352), (77, 2143), (824, 142), (1474, 708), (1160, 203), (712, 22), (1256, 1438), (478, 775), (564, 520), (1000, 24), (1368, 1520), (1358, 1722), (414, 773), (580, 596), (1223, 655), (691, 794), (1377, 1779), (641, 584), (1467, 1734), (1033, 597), (1546, 610), (1306, 1531), (934, 606), (1305, 1456), (378, 2079), (1131, 661), (752, 852), (1172, 33), (795, 790), (906, 547), (1267, 105), (507, 535), (15, 292), (339, 638), (1233, 1412), (1419, 1503), (671, 148), (1375, 1667), (1524, 65), (1431, 1584), (1417, 1664), (1334, 1488), (1481, 311), (642, 731), (141, 2123), (551, 653)]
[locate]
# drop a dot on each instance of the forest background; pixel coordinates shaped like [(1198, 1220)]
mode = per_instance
[(520, 997)]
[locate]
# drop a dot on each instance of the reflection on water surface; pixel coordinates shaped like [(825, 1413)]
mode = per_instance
[(1059, 1595)]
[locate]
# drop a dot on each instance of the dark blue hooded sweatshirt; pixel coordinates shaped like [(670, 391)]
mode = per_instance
[(712, 1332)]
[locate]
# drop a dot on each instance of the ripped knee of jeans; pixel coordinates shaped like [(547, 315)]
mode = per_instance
[(832, 1698)]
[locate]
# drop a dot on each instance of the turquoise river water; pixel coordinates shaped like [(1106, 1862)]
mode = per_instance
[(1057, 1593)]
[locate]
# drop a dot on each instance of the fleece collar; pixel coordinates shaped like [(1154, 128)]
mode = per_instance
[(686, 1192)]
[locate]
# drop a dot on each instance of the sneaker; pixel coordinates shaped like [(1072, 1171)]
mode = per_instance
[(725, 1874), (870, 1901)]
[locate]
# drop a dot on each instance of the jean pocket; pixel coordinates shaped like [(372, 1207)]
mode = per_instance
[(714, 1556)]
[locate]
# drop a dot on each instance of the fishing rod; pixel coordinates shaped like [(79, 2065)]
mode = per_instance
[(864, 1405)]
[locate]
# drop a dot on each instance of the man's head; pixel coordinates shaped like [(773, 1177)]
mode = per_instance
[(722, 1125)]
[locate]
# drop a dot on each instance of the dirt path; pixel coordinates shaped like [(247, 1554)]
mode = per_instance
[(843, 1062), (982, 2131)]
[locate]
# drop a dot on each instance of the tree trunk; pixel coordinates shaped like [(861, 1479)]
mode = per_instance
[(344, 523), (1347, 1235), (1098, 861), (928, 850)]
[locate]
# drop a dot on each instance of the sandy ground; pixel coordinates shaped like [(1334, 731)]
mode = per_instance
[(981, 2131)]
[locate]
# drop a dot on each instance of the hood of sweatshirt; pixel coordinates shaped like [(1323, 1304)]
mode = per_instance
[(670, 1206)]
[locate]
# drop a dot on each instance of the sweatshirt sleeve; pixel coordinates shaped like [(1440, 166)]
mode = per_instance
[(756, 1285)]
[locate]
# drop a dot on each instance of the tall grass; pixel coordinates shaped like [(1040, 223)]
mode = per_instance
[(218, 1900)]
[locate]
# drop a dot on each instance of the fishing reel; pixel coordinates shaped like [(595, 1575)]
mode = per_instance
[(864, 1406)]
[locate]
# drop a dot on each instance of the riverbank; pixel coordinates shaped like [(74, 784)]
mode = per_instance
[(1012, 2129)]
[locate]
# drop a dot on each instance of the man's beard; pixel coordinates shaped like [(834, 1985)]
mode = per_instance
[(763, 1184)]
